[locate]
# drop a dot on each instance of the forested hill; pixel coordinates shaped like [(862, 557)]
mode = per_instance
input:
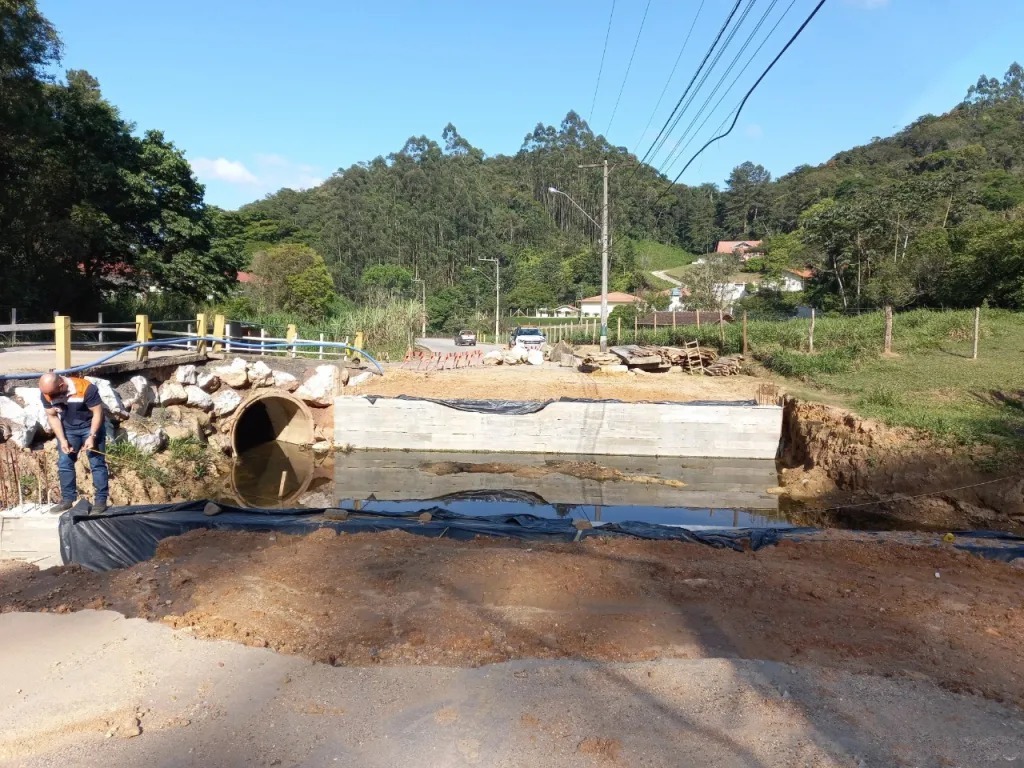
[(927, 216)]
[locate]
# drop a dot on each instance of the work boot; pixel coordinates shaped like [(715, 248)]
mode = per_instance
[(64, 506), (101, 506)]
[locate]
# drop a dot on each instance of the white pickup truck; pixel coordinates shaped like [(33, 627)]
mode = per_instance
[(527, 337)]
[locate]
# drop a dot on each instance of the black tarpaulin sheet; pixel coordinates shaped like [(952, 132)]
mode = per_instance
[(124, 536), (522, 407)]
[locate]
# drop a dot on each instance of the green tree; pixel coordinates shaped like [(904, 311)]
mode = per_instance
[(292, 278), (385, 282)]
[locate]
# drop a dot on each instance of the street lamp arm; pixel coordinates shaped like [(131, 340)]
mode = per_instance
[(578, 206)]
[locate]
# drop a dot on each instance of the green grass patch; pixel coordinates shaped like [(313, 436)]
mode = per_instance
[(125, 456), (654, 256)]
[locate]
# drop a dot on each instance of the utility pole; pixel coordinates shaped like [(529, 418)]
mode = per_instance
[(423, 313), (603, 226), (497, 294)]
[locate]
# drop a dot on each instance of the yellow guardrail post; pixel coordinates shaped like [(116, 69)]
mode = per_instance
[(291, 335), (201, 331), (218, 331), (143, 332), (62, 340), (358, 344)]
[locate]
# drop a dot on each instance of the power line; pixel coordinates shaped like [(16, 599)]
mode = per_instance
[(600, 68), (707, 73), (764, 74), (707, 55), (628, 67), (728, 90), (670, 76), (673, 156)]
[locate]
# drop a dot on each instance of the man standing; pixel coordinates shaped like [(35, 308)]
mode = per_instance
[(75, 413)]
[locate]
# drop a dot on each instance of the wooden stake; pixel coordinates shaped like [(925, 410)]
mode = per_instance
[(636, 328), (810, 334), (744, 333), (888, 329), (618, 332), (721, 328), (698, 319), (977, 331)]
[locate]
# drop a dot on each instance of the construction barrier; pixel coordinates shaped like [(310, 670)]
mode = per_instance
[(418, 360)]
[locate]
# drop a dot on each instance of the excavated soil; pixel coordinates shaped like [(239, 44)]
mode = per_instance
[(584, 470), (395, 599)]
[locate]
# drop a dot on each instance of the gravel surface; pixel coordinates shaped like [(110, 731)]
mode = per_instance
[(94, 690)]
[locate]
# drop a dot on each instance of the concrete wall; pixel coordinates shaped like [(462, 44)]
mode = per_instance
[(718, 483), (30, 533), (630, 429)]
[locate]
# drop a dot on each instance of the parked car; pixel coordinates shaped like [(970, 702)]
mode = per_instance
[(465, 338), (527, 337)]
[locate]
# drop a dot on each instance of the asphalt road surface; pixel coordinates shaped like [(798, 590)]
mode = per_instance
[(446, 345)]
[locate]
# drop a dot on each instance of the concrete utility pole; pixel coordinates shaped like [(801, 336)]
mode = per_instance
[(497, 295), (423, 314), (603, 226)]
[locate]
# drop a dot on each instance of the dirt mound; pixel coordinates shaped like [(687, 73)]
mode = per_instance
[(831, 459), (396, 598)]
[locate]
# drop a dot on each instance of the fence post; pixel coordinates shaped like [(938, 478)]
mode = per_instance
[(14, 321), (358, 343), (290, 335), (143, 333), (201, 332), (698, 319), (190, 330), (99, 321), (977, 330), (263, 342), (62, 340), (618, 332), (888, 329), (721, 328), (636, 328), (321, 347), (810, 334), (744, 333), (218, 331)]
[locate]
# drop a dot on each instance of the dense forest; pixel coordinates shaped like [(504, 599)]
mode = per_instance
[(92, 211)]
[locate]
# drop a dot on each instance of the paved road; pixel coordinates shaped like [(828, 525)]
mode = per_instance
[(43, 358), (662, 275), (447, 345)]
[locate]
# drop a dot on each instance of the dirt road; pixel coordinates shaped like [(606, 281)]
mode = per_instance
[(550, 382)]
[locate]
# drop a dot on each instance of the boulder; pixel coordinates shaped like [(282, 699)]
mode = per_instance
[(323, 446), (21, 426), (225, 402), (30, 400), (196, 398), (145, 437), (494, 357), (187, 427), (185, 374), (284, 380), (514, 356), (560, 352), (260, 374), (359, 378), (234, 374), (222, 443), (138, 395), (208, 382), (172, 393), (112, 403), (320, 388), (535, 357)]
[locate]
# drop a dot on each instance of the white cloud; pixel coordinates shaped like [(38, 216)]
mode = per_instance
[(868, 5), (754, 131), (269, 173), (223, 169)]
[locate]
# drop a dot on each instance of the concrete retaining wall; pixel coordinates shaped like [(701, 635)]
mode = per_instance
[(631, 429), (29, 533)]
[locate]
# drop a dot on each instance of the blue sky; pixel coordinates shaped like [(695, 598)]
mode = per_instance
[(262, 94)]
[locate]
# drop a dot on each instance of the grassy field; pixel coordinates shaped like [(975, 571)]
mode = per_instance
[(930, 383), (658, 256)]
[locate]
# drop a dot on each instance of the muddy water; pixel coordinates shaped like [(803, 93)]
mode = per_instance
[(668, 491)]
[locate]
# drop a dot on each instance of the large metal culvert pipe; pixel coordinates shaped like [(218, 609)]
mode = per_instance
[(268, 416)]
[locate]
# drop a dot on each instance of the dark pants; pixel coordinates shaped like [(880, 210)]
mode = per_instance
[(66, 463)]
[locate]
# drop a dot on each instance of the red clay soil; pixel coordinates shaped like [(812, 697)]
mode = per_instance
[(396, 598)]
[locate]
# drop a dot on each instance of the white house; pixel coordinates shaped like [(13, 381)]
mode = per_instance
[(568, 311), (745, 249), (792, 280), (591, 307)]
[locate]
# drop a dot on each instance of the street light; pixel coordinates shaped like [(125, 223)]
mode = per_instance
[(423, 314), (497, 295), (603, 226)]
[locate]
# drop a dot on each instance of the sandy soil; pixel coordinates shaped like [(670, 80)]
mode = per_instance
[(396, 599), (585, 470), (551, 382)]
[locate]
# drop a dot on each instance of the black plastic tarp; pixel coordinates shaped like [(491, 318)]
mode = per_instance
[(521, 407), (127, 535)]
